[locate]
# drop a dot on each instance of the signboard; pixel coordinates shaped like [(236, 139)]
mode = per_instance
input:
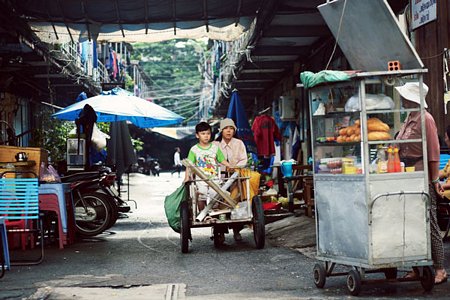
[(422, 12)]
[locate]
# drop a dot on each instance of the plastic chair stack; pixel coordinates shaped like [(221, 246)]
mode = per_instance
[(56, 197)]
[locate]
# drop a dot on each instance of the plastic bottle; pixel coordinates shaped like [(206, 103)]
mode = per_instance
[(391, 162), (381, 160), (397, 164)]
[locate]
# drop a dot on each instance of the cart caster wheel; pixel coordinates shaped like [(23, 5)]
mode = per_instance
[(427, 279), (390, 273), (320, 275), (354, 282), (185, 231), (259, 230)]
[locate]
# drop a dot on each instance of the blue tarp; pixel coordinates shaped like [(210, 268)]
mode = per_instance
[(244, 132)]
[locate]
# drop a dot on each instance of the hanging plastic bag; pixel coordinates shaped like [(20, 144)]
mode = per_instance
[(172, 204), (373, 102), (48, 174), (98, 138)]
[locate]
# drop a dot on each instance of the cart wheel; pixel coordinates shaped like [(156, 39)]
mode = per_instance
[(320, 275), (354, 282), (390, 273), (219, 238), (185, 232), (427, 279), (259, 229)]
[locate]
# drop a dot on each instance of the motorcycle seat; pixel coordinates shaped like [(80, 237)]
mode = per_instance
[(80, 176)]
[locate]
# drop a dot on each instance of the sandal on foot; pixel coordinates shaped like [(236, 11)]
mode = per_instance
[(440, 278)]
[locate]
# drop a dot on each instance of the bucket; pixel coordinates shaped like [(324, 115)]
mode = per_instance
[(286, 168)]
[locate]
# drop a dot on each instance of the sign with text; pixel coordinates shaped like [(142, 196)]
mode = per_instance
[(422, 12)]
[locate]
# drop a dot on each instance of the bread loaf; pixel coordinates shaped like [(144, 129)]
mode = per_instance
[(350, 130), (374, 120), (375, 126), (378, 136)]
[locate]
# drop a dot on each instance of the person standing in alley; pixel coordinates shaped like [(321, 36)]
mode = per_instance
[(177, 162), (411, 154)]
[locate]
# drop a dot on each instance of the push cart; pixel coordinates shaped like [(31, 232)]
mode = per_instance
[(368, 219), (224, 210)]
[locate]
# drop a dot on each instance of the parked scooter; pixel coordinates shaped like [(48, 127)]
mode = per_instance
[(97, 204)]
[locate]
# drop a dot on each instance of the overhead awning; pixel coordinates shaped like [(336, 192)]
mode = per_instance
[(134, 21), (177, 133)]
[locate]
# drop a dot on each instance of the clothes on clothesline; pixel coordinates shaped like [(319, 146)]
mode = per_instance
[(266, 132)]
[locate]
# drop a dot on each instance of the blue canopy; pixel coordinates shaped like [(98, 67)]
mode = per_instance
[(120, 105), (244, 132)]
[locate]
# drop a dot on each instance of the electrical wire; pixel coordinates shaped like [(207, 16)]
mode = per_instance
[(434, 56), (337, 36)]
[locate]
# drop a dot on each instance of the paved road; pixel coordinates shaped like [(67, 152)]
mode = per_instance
[(141, 259)]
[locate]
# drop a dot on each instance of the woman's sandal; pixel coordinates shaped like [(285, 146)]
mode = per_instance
[(440, 278)]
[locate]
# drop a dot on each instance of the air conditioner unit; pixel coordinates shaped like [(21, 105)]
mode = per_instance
[(76, 154), (287, 108)]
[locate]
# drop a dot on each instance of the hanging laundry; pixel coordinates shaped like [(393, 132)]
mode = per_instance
[(266, 132), (115, 68), (94, 55)]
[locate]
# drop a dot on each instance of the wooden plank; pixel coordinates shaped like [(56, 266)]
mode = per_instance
[(189, 165)]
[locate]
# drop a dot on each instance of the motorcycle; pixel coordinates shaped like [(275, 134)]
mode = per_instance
[(97, 204)]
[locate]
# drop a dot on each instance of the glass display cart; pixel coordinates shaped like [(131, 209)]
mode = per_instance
[(372, 211)]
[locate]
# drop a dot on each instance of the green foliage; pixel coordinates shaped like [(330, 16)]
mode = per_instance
[(138, 145), (104, 127), (51, 134), (175, 70), (129, 83)]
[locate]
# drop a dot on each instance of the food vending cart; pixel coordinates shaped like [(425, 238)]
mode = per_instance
[(367, 218)]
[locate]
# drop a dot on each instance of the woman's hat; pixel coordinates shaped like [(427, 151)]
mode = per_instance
[(411, 92), (227, 122)]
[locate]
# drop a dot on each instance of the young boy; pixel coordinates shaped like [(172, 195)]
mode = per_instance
[(207, 157)]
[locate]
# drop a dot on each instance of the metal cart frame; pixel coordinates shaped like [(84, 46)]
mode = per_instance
[(219, 222)]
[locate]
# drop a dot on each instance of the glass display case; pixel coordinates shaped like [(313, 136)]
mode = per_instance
[(354, 125)]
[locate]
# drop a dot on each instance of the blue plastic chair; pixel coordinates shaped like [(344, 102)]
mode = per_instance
[(19, 206)]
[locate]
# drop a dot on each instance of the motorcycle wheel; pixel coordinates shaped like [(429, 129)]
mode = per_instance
[(114, 209), (93, 215)]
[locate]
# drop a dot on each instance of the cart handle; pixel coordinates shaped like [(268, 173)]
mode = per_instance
[(378, 196)]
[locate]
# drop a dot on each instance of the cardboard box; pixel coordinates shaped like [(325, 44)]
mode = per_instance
[(38, 155)]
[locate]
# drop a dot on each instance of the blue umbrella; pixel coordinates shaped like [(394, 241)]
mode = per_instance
[(236, 112), (120, 105)]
